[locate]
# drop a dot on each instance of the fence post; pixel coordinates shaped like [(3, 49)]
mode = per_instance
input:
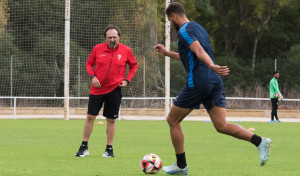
[(167, 63), (15, 107), (78, 92), (144, 80), (67, 61), (11, 78)]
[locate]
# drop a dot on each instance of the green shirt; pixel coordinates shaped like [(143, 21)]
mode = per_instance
[(274, 88)]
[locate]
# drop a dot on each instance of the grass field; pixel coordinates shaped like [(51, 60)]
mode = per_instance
[(47, 147)]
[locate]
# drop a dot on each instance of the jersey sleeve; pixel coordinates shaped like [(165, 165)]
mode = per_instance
[(188, 34), (132, 65), (91, 62)]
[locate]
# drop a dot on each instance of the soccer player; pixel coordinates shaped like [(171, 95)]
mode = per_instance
[(274, 95), (203, 85), (108, 77)]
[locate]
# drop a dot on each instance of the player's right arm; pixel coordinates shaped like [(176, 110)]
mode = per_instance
[(275, 87), (205, 58), (161, 49), (89, 68)]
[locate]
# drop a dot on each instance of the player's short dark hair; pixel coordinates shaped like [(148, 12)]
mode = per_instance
[(274, 72), (175, 7), (112, 27)]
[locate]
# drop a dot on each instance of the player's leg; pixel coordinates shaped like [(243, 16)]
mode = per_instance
[(176, 115), (87, 131), (94, 106), (111, 112), (218, 117), (110, 134), (275, 109), (272, 112), (88, 126), (110, 130), (188, 98), (215, 105)]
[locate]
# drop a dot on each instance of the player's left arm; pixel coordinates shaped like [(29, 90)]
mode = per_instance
[(132, 68), (205, 58), (275, 86), (276, 89)]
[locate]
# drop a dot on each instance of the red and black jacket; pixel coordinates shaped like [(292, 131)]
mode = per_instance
[(110, 66)]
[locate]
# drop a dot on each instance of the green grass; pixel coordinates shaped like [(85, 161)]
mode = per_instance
[(47, 147)]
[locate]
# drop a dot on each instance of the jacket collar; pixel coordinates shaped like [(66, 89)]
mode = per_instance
[(110, 49)]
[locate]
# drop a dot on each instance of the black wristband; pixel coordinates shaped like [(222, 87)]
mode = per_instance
[(92, 76), (126, 81)]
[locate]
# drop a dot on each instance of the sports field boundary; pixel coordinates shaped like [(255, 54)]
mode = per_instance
[(9, 111), (150, 118)]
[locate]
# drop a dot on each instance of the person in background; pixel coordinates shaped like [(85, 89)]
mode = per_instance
[(275, 95), (107, 79)]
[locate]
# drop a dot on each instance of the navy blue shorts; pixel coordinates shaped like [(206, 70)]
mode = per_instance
[(209, 94), (111, 100)]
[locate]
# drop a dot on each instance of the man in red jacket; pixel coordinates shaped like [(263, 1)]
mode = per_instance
[(108, 77)]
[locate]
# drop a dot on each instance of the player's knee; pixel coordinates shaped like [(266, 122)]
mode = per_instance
[(90, 117), (169, 120), (110, 121), (172, 122), (223, 128)]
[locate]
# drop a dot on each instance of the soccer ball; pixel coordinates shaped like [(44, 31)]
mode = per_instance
[(151, 164)]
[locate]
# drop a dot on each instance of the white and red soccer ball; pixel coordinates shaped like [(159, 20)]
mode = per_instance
[(151, 164)]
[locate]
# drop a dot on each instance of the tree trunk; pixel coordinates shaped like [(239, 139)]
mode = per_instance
[(254, 52), (259, 32)]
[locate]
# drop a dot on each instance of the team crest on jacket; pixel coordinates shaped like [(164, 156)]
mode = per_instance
[(119, 56)]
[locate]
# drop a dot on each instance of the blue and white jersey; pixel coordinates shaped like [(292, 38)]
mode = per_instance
[(197, 72)]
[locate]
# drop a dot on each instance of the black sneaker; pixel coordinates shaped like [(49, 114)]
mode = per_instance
[(108, 153), (83, 151)]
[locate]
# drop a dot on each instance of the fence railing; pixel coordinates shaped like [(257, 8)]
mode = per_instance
[(124, 98)]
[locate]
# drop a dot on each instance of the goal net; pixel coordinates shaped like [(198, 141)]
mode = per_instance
[(32, 49)]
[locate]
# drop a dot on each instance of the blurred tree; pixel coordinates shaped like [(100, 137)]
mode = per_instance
[(34, 22), (245, 35), (289, 73), (243, 21), (262, 12), (282, 32), (4, 16)]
